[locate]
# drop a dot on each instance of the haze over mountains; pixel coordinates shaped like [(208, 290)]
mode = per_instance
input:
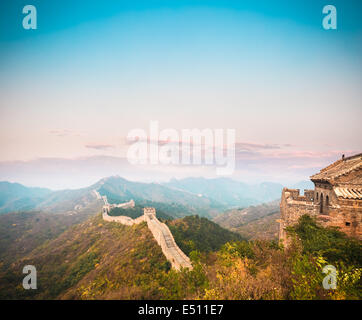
[(14, 196), (207, 197), (60, 173), (229, 192)]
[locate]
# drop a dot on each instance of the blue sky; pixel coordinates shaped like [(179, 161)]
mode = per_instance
[(93, 70)]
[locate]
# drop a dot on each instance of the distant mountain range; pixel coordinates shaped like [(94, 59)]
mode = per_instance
[(205, 197), (231, 193), (16, 197), (178, 203)]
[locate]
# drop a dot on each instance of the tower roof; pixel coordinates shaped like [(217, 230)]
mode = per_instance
[(339, 168), (348, 193)]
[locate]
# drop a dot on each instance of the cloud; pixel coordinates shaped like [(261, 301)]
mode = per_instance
[(64, 133), (239, 146), (99, 146), (256, 146)]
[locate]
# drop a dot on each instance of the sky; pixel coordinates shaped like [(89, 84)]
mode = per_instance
[(71, 90)]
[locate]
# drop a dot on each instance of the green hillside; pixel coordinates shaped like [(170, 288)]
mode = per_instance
[(94, 259), (198, 233), (106, 260), (263, 228), (22, 232)]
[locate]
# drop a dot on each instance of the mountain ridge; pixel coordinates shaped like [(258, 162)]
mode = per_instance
[(206, 197)]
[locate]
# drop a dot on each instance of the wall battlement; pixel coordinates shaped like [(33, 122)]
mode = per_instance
[(294, 194)]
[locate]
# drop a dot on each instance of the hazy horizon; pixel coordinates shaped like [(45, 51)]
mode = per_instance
[(291, 184)]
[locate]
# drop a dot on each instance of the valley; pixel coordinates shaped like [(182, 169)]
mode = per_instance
[(253, 223)]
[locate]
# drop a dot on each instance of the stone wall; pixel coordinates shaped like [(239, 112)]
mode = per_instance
[(121, 219), (347, 217), (166, 241), (344, 214), (160, 232), (292, 207), (126, 205)]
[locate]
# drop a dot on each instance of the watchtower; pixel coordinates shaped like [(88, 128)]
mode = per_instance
[(149, 211)]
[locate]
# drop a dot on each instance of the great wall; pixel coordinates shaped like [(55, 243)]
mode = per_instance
[(159, 230)]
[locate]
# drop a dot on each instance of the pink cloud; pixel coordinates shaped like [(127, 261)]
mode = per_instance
[(99, 146)]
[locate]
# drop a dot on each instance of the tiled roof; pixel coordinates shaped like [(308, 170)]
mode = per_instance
[(348, 193), (339, 168)]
